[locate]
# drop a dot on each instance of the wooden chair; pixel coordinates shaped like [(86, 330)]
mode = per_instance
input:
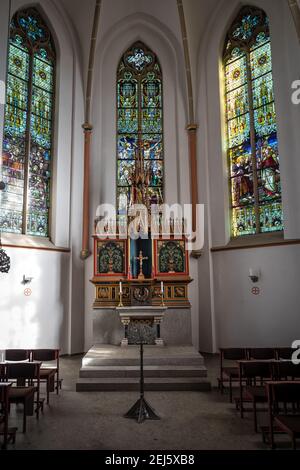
[(17, 355), (28, 372), (262, 354), (286, 370), (47, 373), (285, 353), (9, 434), (254, 373), (230, 374), (288, 420)]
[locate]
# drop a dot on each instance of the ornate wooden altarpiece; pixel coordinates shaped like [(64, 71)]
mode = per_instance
[(141, 265)]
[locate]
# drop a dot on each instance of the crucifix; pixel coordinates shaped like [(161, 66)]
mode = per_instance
[(141, 258)]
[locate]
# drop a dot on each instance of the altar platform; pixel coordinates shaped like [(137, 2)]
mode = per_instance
[(106, 367)]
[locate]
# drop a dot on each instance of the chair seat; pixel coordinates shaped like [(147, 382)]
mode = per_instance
[(258, 393), (45, 373), (232, 372), (289, 423), (17, 393)]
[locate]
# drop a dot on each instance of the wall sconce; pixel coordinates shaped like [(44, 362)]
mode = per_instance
[(254, 274), (26, 280)]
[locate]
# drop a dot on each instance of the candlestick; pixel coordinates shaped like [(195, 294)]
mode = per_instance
[(121, 291), (162, 286)]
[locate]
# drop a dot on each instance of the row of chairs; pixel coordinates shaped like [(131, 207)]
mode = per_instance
[(48, 374), (265, 376), (253, 376), (21, 374), (229, 373)]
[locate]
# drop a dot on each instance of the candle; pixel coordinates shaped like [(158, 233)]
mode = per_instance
[(121, 287), (162, 286)]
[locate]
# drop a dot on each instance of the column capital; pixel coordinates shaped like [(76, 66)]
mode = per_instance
[(192, 127), (87, 127)]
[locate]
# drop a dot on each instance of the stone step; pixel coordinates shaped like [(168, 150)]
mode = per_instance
[(192, 360), (151, 383), (149, 371)]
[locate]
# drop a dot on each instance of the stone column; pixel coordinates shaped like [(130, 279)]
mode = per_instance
[(85, 252)]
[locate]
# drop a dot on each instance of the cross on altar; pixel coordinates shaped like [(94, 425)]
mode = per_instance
[(141, 258)]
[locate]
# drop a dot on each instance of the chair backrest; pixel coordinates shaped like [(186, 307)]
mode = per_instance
[(2, 372), (23, 370), (4, 390), (285, 353), (17, 355), (255, 369), (45, 355), (285, 370), (283, 392), (234, 354), (262, 353)]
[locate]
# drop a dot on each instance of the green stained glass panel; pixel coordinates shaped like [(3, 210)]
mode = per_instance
[(127, 121), (151, 120), (268, 166), (18, 62), (260, 60), (236, 74), (237, 102), (152, 146), (265, 120), (15, 121), (243, 221), (127, 146), (37, 224), (271, 219), (238, 130), (255, 192), (41, 103), (42, 75), (127, 94), (40, 130), (151, 93), (155, 195), (10, 220), (154, 169), (17, 92), (43, 54), (40, 162), (123, 199), (263, 90), (125, 172), (239, 158), (27, 28)]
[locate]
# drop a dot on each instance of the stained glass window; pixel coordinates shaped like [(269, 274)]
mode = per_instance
[(251, 126), (28, 124), (139, 126)]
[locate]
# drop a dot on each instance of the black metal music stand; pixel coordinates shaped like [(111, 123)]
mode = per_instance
[(141, 410)]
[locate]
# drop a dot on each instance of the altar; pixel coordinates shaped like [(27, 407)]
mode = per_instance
[(142, 323)]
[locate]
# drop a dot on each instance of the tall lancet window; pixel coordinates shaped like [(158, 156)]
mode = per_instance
[(28, 126), (251, 126), (139, 129)]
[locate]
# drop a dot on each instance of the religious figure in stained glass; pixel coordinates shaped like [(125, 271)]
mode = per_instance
[(251, 126), (140, 129), (28, 124)]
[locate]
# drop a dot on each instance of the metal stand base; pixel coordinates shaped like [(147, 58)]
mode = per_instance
[(141, 410)]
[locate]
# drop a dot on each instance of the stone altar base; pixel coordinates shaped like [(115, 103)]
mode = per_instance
[(113, 368)]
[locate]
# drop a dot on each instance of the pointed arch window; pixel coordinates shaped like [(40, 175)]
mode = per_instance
[(252, 145), (139, 128), (28, 126)]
